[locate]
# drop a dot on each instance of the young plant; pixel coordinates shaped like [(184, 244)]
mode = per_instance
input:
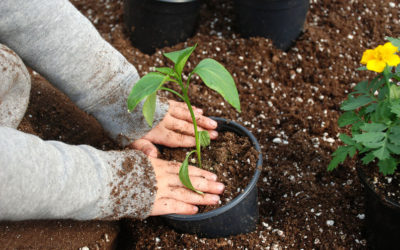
[(212, 73), (372, 112)]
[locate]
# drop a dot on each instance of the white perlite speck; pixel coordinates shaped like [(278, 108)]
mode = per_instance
[(361, 216), (84, 248), (330, 222)]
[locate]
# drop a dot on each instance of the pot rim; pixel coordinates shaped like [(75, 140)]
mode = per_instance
[(384, 199), (241, 196), (177, 1)]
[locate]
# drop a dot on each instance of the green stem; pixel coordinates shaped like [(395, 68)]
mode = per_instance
[(196, 133), (386, 76), (174, 92)]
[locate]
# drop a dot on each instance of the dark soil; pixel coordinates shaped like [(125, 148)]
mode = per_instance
[(290, 101), (231, 157)]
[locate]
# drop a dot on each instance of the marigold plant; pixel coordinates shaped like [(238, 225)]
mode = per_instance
[(372, 112)]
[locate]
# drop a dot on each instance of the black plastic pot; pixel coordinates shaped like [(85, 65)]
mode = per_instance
[(382, 218), (237, 217), (155, 24), (280, 20)]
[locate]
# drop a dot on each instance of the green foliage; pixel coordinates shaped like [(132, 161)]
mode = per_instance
[(213, 74), (372, 113)]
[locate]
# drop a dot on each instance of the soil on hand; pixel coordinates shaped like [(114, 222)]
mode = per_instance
[(231, 157), (290, 102)]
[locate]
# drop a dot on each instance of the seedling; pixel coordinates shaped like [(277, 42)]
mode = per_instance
[(212, 73)]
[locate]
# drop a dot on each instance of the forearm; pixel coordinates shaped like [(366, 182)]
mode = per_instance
[(56, 40), (48, 180)]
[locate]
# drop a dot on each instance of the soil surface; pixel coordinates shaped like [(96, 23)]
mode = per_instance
[(290, 102)]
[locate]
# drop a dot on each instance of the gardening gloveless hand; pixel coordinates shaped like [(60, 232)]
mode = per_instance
[(173, 197), (175, 130)]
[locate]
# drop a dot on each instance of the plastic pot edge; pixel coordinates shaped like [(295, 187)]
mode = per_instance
[(241, 196)]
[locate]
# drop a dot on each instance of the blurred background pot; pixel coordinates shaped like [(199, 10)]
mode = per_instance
[(280, 20), (153, 24), (382, 217), (238, 216)]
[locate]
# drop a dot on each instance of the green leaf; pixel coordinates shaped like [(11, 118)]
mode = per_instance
[(149, 108), (394, 92), (387, 166), (348, 118), (371, 108), (398, 68), (216, 77), (346, 139), (395, 108), (382, 153), (395, 149), (180, 57), (373, 127), (369, 137), (394, 135), (361, 88), (382, 113), (394, 41), (146, 86), (339, 156), (362, 68), (354, 103), (368, 158), (166, 71), (204, 138), (184, 174)]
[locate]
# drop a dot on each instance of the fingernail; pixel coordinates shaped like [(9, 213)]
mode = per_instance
[(200, 111), (213, 134), (195, 209), (221, 187), (214, 177), (212, 123), (215, 198)]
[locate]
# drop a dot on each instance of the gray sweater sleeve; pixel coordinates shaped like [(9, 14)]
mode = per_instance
[(49, 180), (57, 41)]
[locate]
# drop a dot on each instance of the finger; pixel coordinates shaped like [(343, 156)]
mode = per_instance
[(185, 127), (174, 167), (171, 206), (146, 147), (201, 120), (187, 196), (174, 104), (199, 183), (171, 139)]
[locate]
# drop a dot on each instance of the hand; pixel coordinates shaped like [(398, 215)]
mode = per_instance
[(173, 198), (175, 130)]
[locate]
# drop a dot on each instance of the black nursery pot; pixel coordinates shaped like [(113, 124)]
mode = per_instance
[(238, 216), (382, 218), (155, 24), (280, 20)]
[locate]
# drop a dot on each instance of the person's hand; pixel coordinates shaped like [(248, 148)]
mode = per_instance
[(173, 198), (175, 130)]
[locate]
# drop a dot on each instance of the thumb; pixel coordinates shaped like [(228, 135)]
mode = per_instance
[(146, 147)]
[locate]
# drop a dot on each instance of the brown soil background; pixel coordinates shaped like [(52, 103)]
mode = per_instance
[(292, 95)]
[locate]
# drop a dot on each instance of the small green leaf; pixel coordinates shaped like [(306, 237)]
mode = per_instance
[(395, 149), (180, 57), (394, 41), (387, 166), (371, 108), (184, 174), (394, 135), (204, 138), (147, 85), (346, 139), (338, 157), (369, 137), (149, 108), (362, 68), (216, 77), (348, 118), (354, 103), (368, 158), (361, 88), (395, 108), (394, 92), (166, 71), (373, 127), (382, 153)]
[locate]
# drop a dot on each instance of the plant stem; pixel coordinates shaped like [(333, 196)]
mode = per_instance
[(196, 133), (174, 92)]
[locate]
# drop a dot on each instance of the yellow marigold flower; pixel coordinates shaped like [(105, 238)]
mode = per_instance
[(377, 58)]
